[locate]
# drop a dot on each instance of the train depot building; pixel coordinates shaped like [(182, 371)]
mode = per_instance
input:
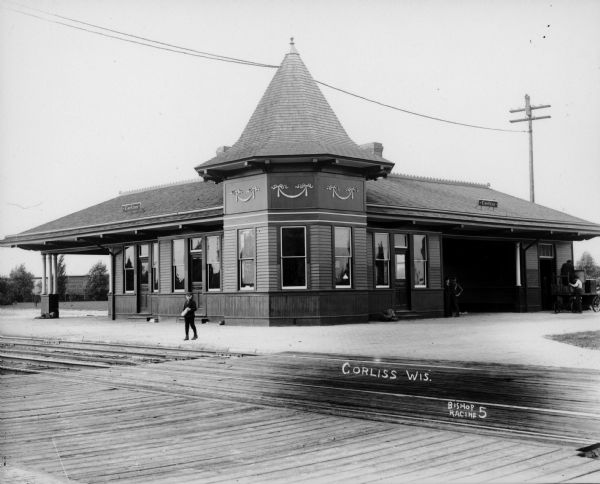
[(295, 224)]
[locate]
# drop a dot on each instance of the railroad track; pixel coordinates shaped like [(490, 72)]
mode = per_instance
[(32, 355)]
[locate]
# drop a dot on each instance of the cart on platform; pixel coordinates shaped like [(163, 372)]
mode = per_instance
[(564, 295)]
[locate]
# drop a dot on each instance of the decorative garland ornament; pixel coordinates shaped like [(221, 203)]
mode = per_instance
[(303, 187), (251, 194), (350, 192)]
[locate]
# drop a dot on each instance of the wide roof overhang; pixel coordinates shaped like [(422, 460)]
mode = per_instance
[(99, 239), (370, 169), (480, 225), (96, 239)]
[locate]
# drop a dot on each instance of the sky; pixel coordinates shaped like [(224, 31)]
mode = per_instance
[(84, 116)]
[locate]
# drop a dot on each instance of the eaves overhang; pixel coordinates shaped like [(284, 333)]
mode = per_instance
[(452, 222), (107, 233), (218, 172)]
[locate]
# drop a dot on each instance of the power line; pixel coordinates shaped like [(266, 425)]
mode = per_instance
[(215, 56), (414, 113), (144, 41)]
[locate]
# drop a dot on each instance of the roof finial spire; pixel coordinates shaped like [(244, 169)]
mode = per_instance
[(292, 46)]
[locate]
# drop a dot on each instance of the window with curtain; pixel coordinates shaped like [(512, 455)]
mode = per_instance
[(129, 268), (382, 259), (343, 256), (246, 259), (178, 265), (213, 262), (420, 260)]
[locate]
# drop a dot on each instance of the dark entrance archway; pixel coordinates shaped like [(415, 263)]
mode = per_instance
[(486, 269)]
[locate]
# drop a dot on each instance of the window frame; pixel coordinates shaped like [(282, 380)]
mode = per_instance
[(305, 256), (154, 267), (191, 255), (351, 257), (131, 269), (386, 261), (424, 261), (240, 261), (219, 239), (141, 258), (546, 257), (173, 266)]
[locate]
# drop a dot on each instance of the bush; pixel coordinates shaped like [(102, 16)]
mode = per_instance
[(97, 285), (7, 295), (22, 283)]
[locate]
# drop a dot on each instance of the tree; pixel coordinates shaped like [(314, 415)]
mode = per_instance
[(22, 283), (586, 263), (7, 295), (97, 284), (61, 277)]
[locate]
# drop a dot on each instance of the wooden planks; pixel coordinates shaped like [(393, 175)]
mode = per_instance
[(244, 420), (553, 403)]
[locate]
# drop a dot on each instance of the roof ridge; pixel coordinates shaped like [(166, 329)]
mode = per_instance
[(439, 180), (162, 185)]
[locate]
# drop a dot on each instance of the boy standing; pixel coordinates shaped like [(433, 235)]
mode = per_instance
[(188, 313)]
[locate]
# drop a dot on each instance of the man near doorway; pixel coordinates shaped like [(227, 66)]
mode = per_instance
[(578, 290), (452, 290), (567, 270), (188, 313)]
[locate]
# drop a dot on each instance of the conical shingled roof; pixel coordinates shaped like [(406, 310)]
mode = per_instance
[(293, 118)]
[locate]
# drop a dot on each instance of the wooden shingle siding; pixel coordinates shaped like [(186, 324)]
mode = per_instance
[(435, 261), (118, 275), (532, 267), (360, 262), (164, 259), (564, 252), (230, 260), (321, 263), (267, 263)]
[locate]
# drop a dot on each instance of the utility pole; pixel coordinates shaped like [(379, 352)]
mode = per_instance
[(528, 108)]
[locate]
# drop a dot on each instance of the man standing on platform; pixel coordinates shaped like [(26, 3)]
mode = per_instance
[(567, 270), (188, 313), (578, 290)]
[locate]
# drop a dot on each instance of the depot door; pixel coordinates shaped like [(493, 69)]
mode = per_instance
[(143, 278), (401, 272)]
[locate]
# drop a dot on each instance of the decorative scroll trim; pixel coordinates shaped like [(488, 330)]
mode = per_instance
[(350, 192), (251, 194), (303, 187)]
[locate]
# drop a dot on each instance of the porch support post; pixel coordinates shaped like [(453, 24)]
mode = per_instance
[(55, 275), (110, 274), (50, 274), (111, 287), (44, 287), (518, 263)]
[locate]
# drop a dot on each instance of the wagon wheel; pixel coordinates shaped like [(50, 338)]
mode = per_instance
[(596, 303)]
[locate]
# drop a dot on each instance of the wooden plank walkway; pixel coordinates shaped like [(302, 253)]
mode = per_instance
[(287, 418), (558, 404)]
